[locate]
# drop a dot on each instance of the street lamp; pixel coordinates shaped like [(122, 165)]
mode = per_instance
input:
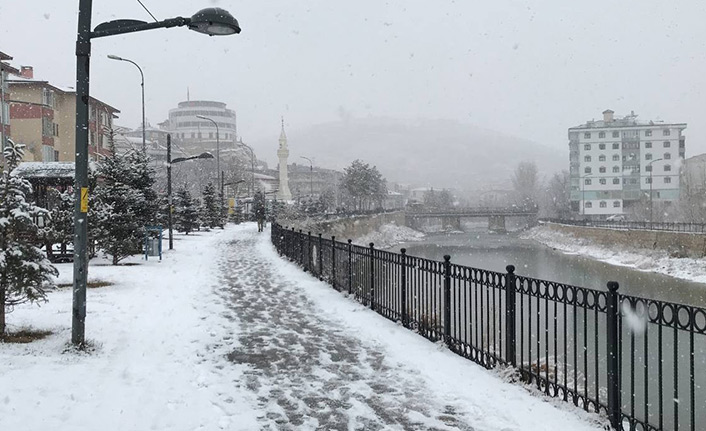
[(142, 83), (311, 176), (252, 165), (170, 162), (650, 169), (218, 152), (210, 21)]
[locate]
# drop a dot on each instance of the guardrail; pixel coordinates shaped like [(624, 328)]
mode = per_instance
[(638, 361), (634, 225)]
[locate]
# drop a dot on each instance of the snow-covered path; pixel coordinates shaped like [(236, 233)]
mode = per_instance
[(321, 361)]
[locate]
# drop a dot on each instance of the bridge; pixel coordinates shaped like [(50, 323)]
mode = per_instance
[(451, 217)]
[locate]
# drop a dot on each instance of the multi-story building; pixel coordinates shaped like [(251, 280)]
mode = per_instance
[(616, 163), (196, 133), (5, 71), (43, 117)]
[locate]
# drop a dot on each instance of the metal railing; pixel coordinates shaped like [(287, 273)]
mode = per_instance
[(640, 362), (634, 225)]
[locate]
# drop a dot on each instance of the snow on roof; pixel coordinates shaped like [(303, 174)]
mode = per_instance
[(45, 170), (264, 177)]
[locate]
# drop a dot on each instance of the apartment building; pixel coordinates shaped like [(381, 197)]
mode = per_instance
[(616, 163)]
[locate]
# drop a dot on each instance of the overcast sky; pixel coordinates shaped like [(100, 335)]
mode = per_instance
[(526, 68)]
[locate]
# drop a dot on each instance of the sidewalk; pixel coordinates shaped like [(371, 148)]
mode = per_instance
[(225, 335)]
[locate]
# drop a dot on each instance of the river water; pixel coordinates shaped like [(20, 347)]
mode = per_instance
[(479, 249)]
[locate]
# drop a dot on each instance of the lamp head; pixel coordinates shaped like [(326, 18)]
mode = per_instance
[(214, 21), (115, 57), (205, 155)]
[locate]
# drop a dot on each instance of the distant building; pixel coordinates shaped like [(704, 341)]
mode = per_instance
[(614, 161), (43, 117), (5, 71), (693, 174), (195, 133), (310, 182)]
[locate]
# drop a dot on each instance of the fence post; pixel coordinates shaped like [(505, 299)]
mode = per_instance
[(613, 365), (320, 255), (403, 288), (290, 254), (372, 276), (510, 320), (350, 266), (308, 257), (301, 247), (447, 299), (333, 262)]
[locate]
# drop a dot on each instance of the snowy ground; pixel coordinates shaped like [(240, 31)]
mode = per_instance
[(224, 334), (644, 260), (389, 235)]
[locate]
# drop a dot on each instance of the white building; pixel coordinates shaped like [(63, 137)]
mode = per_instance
[(193, 132), (616, 162)]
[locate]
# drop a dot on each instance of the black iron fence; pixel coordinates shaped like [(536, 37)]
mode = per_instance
[(634, 225), (641, 362)]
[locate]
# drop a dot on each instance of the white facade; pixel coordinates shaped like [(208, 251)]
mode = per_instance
[(190, 130), (614, 161), (283, 154)]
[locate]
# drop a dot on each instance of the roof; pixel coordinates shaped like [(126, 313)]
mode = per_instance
[(4, 56), (68, 90), (45, 170), (627, 121)]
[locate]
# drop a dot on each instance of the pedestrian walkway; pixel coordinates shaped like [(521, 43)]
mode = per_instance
[(317, 360)]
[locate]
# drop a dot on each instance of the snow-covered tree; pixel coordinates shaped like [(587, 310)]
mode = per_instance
[(24, 268), (364, 185), (119, 208), (142, 178), (60, 229), (186, 212), (210, 211)]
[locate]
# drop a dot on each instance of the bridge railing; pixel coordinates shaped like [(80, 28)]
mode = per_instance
[(638, 361), (634, 225), (471, 211)]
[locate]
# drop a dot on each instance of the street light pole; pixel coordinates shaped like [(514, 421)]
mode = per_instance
[(311, 177), (142, 84), (218, 151), (252, 166), (210, 21), (169, 190)]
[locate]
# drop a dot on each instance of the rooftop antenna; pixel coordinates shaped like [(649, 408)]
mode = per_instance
[(187, 93)]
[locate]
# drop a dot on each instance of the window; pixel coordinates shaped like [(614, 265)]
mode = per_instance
[(616, 157), (616, 180), (616, 204), (648, 156), (666, 132), (648, 180), (603, 204), (587, 135), (193, 135), (648, 144), (587, 158), (587, 170), (601, 146), (648, 132), (632, 156), (210, 135), (601, 169), (602, 181), (587, 181), (667, 180), (601, 158), (633, 180), (667, 168), (601, 134), (587, 147), (616, 146), (667, 156), (199, 135), (588, 205), (616, 169), (616, 134), (648, 168), (47, 127), (667, 144)]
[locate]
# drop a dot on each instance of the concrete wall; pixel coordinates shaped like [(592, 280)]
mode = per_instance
[(676, 243), (345, 228)]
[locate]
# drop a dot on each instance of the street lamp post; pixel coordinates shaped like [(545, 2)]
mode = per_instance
[(210, 21), (311, 177), (650, 169), (218, 152), (142, 84)]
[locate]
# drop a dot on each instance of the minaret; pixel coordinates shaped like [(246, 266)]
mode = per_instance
[(283, 153)]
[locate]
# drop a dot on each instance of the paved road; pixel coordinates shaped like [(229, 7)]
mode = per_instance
[(311, 373)]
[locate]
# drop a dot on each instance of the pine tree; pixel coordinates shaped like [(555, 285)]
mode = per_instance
[(119, 212), (142, 178), (186, 213), (60, 227), (24, 268), (210, 212)]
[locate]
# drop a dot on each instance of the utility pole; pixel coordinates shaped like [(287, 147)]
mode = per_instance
[(169, 190)]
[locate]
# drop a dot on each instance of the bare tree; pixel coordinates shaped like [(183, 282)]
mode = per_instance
[(525, 182)]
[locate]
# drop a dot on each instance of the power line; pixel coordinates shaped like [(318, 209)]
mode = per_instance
[(148, 11)]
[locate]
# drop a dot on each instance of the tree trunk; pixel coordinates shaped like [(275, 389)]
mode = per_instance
[(2, 309)]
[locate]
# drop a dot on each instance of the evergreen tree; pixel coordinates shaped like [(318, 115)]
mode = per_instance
[(210, 211), (24, 268), (186, 213), (119, 211), (60, 228), (142, 178)]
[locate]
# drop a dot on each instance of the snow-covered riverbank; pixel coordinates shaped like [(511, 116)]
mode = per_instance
[(622, 255), (389, 235)]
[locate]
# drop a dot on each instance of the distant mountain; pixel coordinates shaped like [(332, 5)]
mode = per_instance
[(439, 153)]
